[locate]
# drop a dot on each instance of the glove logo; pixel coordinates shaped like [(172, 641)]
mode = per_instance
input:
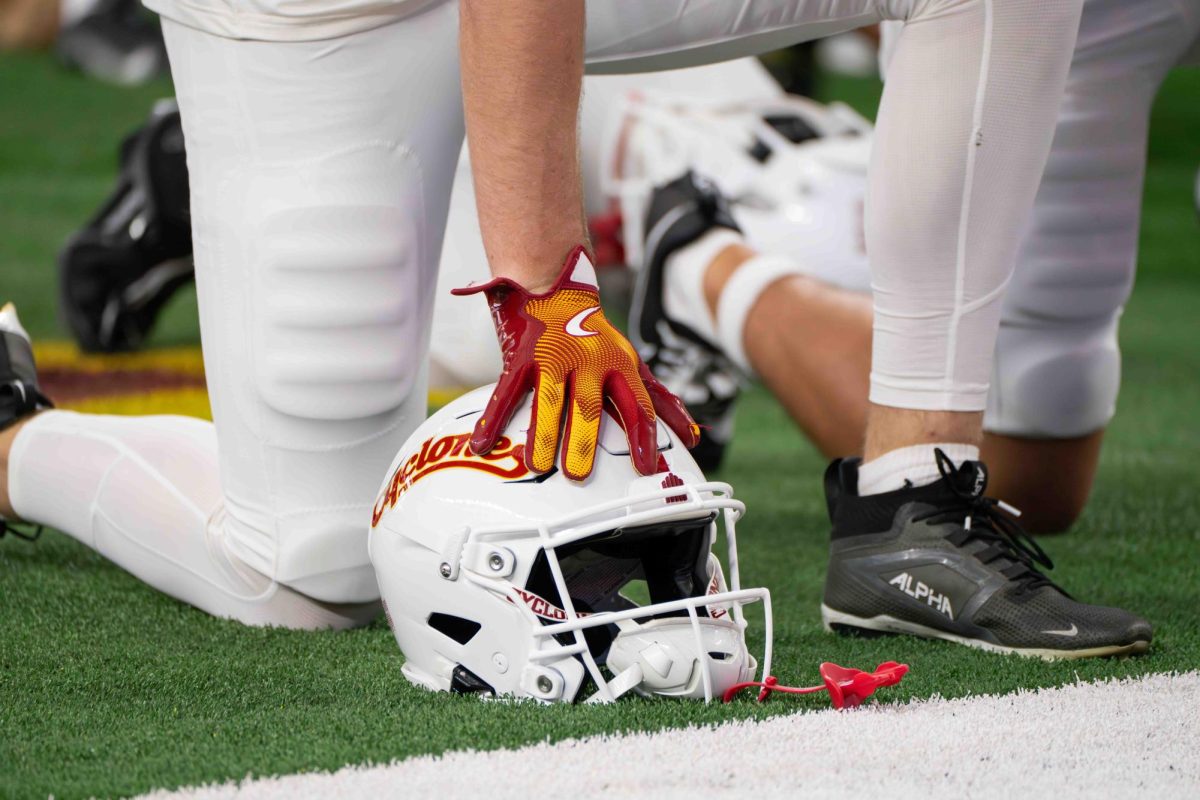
[(575, 323)]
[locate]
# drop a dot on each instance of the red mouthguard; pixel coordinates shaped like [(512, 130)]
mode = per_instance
[(847, 687)]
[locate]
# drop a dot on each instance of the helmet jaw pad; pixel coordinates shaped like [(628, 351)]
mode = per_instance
[(695, 657)]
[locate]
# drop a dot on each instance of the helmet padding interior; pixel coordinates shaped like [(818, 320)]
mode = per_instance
[(671, 557)]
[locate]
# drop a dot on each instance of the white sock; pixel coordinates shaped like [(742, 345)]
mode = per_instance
[(683, 281), (907, 467)]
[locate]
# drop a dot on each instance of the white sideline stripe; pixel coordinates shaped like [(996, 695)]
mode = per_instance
[(1106, 739)]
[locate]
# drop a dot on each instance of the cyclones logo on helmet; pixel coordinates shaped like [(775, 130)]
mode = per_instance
[(506, 460), (542, 607)]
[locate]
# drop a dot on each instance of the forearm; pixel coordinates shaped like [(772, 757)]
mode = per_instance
[(522, 67)]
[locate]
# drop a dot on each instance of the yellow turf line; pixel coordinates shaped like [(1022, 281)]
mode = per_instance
[(192, 402), (65, 355), (188, 402)]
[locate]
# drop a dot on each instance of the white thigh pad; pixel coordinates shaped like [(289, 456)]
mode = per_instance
[(341, 334)]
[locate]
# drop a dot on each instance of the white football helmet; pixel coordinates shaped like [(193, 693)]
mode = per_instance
[(502, 581), (794, 171)]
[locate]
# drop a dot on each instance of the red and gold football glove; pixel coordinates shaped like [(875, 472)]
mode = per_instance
[(561, 346)]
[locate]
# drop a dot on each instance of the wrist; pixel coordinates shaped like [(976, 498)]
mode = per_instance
[(532, 281), (537, 273)]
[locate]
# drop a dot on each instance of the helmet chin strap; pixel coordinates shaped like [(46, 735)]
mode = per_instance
[(626, 680)]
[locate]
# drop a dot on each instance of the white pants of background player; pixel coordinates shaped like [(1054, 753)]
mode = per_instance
[(321, 155)]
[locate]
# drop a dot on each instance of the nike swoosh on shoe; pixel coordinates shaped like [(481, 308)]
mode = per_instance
[(1071, 631)]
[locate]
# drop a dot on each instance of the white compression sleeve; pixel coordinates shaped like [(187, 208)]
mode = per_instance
[(144, 492), (968, 112)]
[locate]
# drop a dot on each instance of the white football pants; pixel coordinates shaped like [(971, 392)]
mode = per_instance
[(321, 173)]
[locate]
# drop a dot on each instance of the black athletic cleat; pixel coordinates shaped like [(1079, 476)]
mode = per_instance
[(680, 212), (942, 561), (20, 394), (117, 273)]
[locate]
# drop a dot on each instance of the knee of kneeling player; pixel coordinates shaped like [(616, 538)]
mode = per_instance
[(1047, 385)]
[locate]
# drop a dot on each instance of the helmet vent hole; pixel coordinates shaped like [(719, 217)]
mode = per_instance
[(459, 629), (715, 656)]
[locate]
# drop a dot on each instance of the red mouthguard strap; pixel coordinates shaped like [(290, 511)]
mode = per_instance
[(847, 687)]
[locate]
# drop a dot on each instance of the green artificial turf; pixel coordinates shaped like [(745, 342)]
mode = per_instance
[(109, 688)]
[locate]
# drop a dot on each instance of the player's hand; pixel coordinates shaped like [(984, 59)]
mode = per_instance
[(560, 345)]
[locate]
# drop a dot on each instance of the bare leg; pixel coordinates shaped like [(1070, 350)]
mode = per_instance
[(29, 24), (1048, 479), (811, 344), (891, 428)]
